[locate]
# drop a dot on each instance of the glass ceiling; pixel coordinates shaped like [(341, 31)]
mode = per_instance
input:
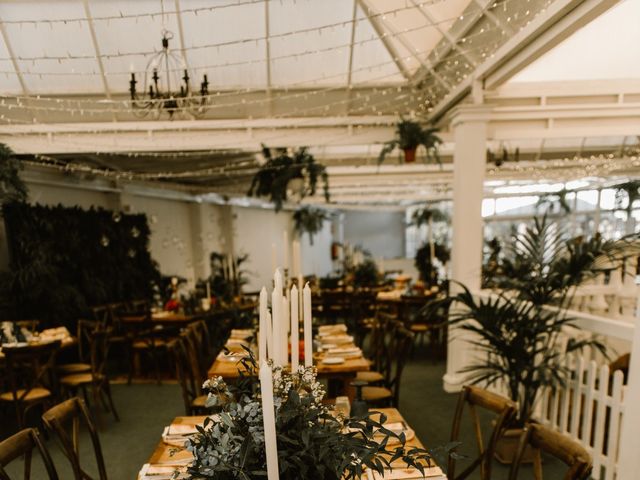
[(239, 44)]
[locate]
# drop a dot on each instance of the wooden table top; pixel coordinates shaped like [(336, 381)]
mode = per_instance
[(229, 369), (166, 454)]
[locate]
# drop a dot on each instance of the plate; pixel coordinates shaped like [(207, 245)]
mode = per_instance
[(333, 360)]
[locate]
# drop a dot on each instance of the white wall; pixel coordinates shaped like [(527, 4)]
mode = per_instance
[(382, 232), (316, 258)]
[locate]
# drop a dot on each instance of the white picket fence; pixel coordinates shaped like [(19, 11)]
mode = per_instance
[(589, 408)]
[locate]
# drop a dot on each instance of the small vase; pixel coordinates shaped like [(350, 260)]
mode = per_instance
[(409, 155)]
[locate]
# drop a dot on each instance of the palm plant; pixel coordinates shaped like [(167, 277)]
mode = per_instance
[(409, 136), (520, 327), (309, 220), (521, 345), (425, 216), (276, 178)]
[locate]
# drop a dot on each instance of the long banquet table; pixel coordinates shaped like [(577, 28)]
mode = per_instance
[(170, 456)]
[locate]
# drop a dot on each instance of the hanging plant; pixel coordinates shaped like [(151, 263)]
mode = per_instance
[(12, 188), (284, 176), (630, 190), (422, 216), (503, 157), (309, 220), (409, 136)]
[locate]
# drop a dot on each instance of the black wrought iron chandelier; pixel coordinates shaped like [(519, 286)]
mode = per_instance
[(167, 87)]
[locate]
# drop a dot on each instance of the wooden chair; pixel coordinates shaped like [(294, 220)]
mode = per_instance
[(197, 334), (145, 340), (22, 444), (188, 378), (64, 421), (378, 349), (554, 443), (399, 349), (505, 411), (30, 381), (83, 332), (96, 380)]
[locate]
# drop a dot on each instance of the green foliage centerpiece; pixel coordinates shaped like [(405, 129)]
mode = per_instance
[(312, 443)]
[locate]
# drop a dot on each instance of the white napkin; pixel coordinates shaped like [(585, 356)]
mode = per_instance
[(433, 473)]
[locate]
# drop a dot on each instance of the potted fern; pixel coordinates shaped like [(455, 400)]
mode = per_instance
[(409, 136), (285, 176)]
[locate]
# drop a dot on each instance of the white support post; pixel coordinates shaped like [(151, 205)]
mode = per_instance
[(469, 123), (629, 460)]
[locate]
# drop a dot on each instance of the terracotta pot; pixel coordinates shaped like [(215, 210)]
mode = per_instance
[(507, 447), (409, 155)]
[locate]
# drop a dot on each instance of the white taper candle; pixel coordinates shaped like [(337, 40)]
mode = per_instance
[(269, 421), (295, 330), (285, 331), (262, 329), (308, 336)]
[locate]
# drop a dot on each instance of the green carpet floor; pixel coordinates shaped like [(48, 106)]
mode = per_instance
[(146, 409)]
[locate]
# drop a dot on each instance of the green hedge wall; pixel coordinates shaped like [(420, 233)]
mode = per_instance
[(65, 260)]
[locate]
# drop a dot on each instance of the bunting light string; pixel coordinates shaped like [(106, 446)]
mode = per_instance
[(61, 140), (26, 71), (195, 11), (21, 102), (241, 41)]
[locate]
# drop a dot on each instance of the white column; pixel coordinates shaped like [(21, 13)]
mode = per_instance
[(469, 124), (629, 460)]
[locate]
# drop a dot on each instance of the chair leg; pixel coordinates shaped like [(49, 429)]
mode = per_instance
[(107, 390)]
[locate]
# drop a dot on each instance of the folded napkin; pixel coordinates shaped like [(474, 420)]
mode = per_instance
[(180, 429), (345, 352), (160, 472), (331, 329), (433, 473), (232, 356), (241, 333), (337, 339)]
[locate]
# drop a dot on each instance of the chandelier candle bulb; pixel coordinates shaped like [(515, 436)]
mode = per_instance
[(262, 329), (295, 330), (269, 421), (308, 337)]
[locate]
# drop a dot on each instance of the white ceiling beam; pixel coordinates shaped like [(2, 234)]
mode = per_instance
[(433, 20), (382, 34), (189, 126), (425, 63), (14, 62), (546, 30)]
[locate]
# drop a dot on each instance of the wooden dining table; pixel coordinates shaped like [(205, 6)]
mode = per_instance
[(172, 456)]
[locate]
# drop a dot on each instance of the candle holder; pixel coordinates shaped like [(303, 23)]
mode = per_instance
[(359, 407)]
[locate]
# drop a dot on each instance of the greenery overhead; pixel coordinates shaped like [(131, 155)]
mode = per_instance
[(312, 443), (272, 180), (502, 157), (309, 220), (65, 260), (554, 201), (409, 136), (12, 188)]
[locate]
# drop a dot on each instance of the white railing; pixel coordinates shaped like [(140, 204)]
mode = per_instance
[(589, 408)]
